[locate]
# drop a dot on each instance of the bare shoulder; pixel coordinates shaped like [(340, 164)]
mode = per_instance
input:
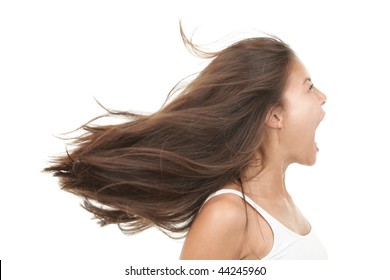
[(218, 231)]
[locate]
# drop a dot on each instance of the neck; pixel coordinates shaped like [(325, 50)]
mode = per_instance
[(267, 180)]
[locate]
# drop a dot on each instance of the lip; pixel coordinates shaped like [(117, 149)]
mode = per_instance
[(321, 119), (323, 116)]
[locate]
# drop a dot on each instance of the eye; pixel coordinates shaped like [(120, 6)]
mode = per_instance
[(311, 87)]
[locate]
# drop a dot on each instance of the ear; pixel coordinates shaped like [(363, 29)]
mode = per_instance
[(274, 118)]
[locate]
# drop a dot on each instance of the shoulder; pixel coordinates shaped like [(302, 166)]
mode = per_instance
[(218, 230), (225, 208)]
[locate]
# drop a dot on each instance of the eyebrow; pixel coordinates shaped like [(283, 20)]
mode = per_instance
[(308, 79)]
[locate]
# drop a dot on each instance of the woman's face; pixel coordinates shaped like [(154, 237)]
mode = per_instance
[(303, 113)]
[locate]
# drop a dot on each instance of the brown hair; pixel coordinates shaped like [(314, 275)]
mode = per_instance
[(158, 169)]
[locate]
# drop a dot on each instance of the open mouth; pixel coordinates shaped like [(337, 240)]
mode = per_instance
[(316, 132)]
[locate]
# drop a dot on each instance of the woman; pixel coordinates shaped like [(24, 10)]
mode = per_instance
[(205, 163)]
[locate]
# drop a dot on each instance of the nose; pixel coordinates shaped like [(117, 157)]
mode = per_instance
[(322, 97)]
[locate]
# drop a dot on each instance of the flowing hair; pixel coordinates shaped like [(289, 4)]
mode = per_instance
[(158, 169)]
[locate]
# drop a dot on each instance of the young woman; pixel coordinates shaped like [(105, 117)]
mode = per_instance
[(211, 163)]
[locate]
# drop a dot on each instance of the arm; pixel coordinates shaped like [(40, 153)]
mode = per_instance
[(218, 231)]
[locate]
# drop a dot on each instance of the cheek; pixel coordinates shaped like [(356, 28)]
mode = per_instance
[(298, 115), (301, 120), (302, 110)]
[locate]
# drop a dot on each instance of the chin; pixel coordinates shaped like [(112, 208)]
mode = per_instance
[(310, 161)]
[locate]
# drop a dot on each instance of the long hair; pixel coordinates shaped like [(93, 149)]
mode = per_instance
[(158, 169)]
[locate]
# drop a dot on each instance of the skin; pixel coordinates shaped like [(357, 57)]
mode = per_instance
[(227, 229)]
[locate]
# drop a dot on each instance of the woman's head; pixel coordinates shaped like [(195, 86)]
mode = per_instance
[(159, 169), (234, 93), (290, 131)]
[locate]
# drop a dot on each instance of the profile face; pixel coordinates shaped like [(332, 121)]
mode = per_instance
[(302, 115)]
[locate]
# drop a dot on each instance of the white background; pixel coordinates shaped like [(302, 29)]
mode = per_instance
[(57, 56)]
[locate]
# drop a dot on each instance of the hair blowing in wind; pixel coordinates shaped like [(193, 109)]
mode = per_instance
[(158, 169)]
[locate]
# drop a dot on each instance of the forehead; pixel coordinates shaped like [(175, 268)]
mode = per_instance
[(298, 73), (298, 77)]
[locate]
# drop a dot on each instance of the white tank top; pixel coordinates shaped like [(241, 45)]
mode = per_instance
[(287, 245)]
